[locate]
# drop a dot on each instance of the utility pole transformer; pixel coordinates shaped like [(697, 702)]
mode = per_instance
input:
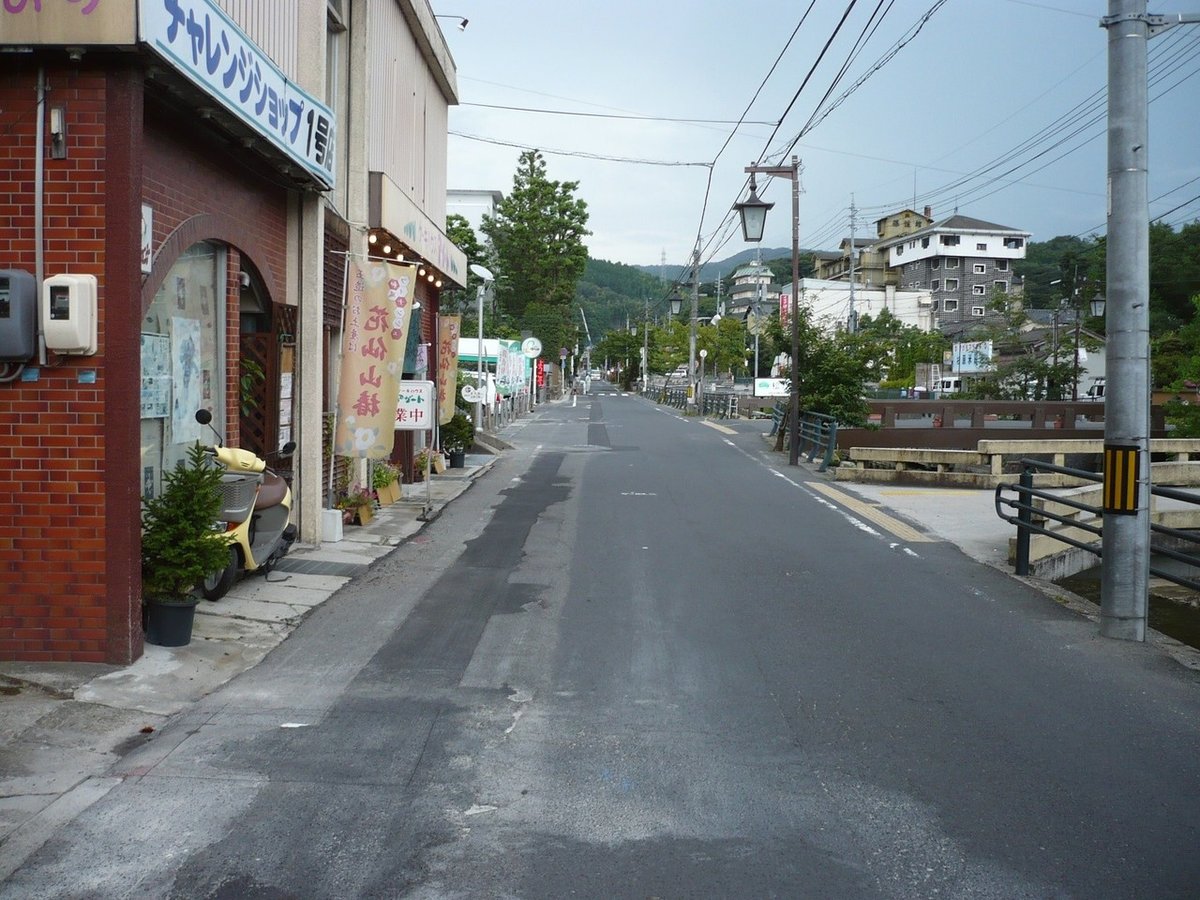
[(1125, 564)]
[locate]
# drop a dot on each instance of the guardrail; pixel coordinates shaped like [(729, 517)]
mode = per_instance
[(1029, 519)]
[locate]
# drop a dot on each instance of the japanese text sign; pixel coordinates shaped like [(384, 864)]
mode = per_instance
[(414, 406), (378, 302), (202, 42), (447, 366)]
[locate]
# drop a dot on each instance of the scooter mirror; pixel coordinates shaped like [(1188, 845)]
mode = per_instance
[(204, 417), (288, 449)]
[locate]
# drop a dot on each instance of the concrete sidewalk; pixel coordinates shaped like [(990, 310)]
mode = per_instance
[(63, 725)]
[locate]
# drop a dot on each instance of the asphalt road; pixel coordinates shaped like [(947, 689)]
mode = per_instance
[(643, 658)]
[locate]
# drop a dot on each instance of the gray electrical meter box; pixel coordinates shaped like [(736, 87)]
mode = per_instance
[(18, 315)]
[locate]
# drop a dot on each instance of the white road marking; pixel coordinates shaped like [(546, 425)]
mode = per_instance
[(721, 428)]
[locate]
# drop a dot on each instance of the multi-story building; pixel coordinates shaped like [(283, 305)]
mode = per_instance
[(472, 205), (870, 262), (748, 285), (961, 261), (211, 164)]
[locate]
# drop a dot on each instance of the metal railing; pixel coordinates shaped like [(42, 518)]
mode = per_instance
[(1026, 512), (818, 434)]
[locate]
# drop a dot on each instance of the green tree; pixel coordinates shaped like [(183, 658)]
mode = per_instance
[(537, 234)]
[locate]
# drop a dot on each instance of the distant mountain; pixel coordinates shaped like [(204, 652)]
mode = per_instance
[(723, 267)]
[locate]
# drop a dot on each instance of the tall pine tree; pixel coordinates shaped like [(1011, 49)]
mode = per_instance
[(537, 236)]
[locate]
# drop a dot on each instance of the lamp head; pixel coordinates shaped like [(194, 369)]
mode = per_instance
[(754, 214)]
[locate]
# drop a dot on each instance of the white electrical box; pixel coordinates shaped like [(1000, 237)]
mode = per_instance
[(69, 314)]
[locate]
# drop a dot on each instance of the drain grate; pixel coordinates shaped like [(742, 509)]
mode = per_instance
[(320, 567)]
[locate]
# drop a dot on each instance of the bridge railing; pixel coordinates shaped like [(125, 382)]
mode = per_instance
[(1032, 508)]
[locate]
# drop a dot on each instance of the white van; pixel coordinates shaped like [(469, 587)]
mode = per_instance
[(948, 387)]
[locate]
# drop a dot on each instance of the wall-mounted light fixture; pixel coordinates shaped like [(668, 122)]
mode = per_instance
[(58, 132), (462, 22)]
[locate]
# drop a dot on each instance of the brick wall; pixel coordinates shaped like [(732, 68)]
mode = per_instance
[(52, 430), (69, 441)]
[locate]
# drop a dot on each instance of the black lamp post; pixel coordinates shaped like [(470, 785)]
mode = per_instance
[(754, 217)]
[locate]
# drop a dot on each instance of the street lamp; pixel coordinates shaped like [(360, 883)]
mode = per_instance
[(754, 215), (486, 281), (676, 303), (700, 391)]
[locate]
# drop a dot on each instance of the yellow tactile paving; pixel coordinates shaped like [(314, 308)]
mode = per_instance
[(882, 519)]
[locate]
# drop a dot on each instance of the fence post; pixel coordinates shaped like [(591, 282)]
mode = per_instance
[(1024, 520), (831, 442)]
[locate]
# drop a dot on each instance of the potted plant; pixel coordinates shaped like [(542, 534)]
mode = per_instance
[(458, 435), (180, 547), (356, 506), (385, 481)]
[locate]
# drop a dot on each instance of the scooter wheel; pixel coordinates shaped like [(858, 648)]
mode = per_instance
[(217, 585)]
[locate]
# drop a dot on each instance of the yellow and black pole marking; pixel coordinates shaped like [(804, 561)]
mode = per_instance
[(1121, 467)]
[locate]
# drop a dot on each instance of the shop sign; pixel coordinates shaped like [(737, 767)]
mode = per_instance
[(972, 357), (86, 23), (198, 39), (403, 218), (414, 406)]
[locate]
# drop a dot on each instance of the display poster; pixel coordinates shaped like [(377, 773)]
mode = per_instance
[(187, 380), (156, 377), (379, 299)]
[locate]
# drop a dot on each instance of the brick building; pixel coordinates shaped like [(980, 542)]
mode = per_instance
[(187, 154)]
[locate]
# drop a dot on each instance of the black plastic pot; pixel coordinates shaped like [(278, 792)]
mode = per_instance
[(458, 459), (169, 622)]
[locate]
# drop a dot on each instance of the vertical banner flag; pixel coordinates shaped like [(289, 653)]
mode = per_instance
[(379, 299), (447, 366), (785, 310)]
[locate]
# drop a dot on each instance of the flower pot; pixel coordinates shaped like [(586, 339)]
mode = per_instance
[(169, 621), (363, 514), (458, 459)]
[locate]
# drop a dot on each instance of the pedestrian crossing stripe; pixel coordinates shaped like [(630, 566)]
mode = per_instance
[(1121, 468)]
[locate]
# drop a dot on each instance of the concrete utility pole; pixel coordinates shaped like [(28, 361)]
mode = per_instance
[(692, 330), (646, 346), (851, 321), (1125, 564)]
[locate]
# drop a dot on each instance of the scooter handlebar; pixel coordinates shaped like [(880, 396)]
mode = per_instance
[(235, 459)]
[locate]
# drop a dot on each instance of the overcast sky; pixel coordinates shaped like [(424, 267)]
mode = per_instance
[(982, 81)]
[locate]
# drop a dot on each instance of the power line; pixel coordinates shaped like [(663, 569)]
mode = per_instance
[(579, 153), (631, 117)]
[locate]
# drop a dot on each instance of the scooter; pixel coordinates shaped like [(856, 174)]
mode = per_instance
[(256, 504)]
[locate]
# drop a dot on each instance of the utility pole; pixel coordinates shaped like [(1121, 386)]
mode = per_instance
[(646, 346), (692, 330), (757, 309), (851, 321), (1125, 564)]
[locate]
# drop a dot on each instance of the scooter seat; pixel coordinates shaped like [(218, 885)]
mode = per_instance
[(272, 490)]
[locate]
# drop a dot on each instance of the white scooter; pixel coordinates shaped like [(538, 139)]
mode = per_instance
[(256, 506)]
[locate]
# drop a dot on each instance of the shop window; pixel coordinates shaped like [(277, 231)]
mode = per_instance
[(183, 360)]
